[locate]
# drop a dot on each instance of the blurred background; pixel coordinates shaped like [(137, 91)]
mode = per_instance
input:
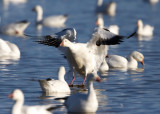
[(120, 91)]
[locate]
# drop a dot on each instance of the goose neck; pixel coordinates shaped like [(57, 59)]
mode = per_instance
[(17, 107), (39, 15)]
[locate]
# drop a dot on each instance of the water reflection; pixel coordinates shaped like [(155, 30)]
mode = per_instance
[(144, 38), (6, 3), (54, 95), (4, 62)]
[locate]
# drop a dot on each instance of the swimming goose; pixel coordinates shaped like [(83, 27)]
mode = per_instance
[(144, 30), (112, 28), (85, 58), (51, 85), (51, 21), (109, 8), (16, 28), (116, 61), (9, 50), (84, 102), (18, 107)]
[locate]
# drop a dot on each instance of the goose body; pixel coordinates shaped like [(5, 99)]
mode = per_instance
[(51, 85), (51, 21), (109, 8), (18, 107), (16, 28), (144, 30), (9, 50), (80, 102), (116, 61)]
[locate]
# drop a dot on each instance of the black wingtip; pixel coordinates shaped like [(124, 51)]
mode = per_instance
[(50, 41), (132, 35), (113, 41)]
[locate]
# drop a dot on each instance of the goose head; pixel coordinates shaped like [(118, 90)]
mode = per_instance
[(69, 33), (65, 43), (139, 23), (100, 22), (138, 57), (37, 8), (16, 95)]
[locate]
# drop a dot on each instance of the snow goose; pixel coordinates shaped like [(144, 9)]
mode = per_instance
[(9, 50), (18, 107), (153, 2), (116, 61), (16, 28), (112, 28), (142, 30), (84, 102), (85, 58), (109, 8), (51, 85), (104, 67), (51, 21)]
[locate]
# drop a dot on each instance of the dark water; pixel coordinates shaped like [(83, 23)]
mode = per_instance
[(120, 91)]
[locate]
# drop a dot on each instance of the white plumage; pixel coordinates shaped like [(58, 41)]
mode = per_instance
[(18, 107), (116, 61), (9, 50), (51, 85), (84, 102), (144, 30), (16, 28), (51, 21)]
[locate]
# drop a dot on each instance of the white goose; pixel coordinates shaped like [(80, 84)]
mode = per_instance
[(18, 107), (16, 28), (142, 30), (84, 102), (112, 28), (153, 2), (84, 58), (51, 85), (109, 8), (104, 68), (51, 21), (9, 50), (116, 61)]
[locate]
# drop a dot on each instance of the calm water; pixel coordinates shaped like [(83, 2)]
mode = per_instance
[(120, 91)]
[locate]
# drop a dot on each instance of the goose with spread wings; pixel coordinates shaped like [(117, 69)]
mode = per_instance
[(84, 58)]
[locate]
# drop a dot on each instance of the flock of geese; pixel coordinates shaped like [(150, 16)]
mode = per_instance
[(85, 59)]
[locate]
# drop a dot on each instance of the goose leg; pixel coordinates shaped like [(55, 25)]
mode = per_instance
[(71, 84), (84, 80)]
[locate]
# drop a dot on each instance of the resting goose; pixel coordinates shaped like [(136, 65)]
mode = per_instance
[(112, 28), (84, 58), (18, 107), (16, 28), (51, 21), (144, 30), (84, 102), (9, 50), (109, 8), (116, 61), (51, 85)]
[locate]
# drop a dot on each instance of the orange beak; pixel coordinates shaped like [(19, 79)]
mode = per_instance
[(62, 43), (98, 79), (142, 62), (97, 23), (10, 95)]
